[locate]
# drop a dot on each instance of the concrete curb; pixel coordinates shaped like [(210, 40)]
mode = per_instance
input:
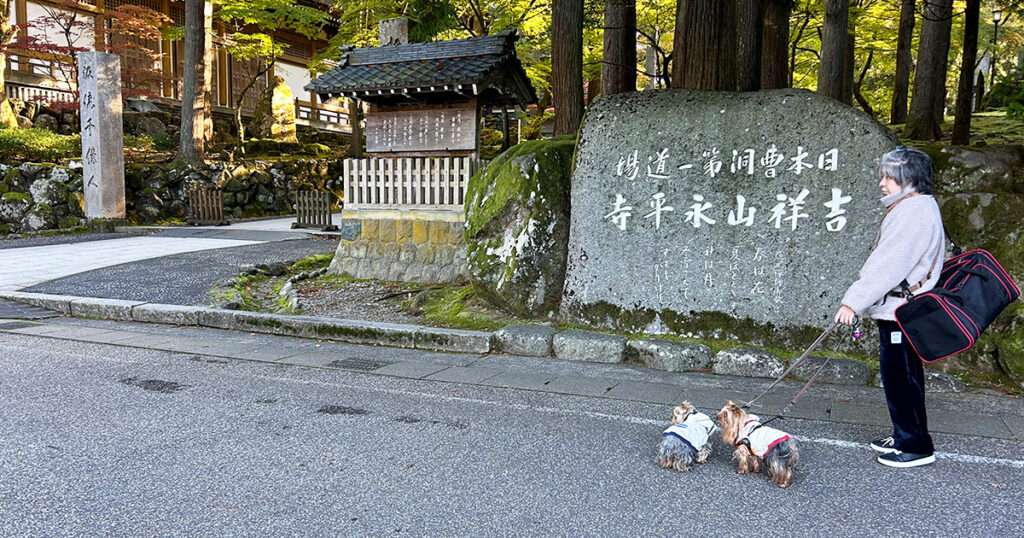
[(342, 330)]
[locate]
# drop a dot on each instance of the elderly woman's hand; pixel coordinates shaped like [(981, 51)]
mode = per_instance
[(845, 315)]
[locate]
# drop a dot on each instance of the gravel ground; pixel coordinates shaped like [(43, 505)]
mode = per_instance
[(43, 241), (354, 300)]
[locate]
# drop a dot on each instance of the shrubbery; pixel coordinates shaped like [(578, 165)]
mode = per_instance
[(38, 145)]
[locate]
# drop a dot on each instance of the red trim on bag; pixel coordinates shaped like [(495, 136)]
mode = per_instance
[(958, 309), (1006, 275), (945, 306), (1009, 295), (951, 315)]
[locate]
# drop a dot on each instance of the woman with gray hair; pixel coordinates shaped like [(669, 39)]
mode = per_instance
[(905, 259)]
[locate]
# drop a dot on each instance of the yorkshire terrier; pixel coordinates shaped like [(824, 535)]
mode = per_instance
[(758, 445), (687, 440)]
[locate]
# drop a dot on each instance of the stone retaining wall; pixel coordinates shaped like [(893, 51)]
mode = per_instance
[(44, 196), (403, 249)]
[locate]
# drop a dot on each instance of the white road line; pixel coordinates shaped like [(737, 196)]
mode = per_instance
[(951, 456), (962, 458)]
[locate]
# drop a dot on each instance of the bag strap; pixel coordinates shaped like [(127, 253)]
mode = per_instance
[(955, 248), (909, 290)]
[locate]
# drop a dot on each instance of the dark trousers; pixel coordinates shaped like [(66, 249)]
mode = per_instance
[(903, 382)]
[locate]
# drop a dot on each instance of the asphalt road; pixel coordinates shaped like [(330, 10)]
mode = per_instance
[(98, 439)]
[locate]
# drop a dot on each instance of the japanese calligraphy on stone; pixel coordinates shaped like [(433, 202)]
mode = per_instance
[(759, 205)]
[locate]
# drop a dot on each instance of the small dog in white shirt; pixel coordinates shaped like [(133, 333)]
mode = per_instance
[(687, 440), (756, 445)]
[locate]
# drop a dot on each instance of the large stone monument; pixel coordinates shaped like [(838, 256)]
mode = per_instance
[(99, 88), (695, 211)]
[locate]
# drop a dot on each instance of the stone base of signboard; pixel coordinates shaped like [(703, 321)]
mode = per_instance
[(425, 251)]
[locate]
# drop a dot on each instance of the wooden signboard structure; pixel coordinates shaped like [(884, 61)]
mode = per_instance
[(426, 99)]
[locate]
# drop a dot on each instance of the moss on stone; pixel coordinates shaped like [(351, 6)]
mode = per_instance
[(17, 197), (516, 232), (494, 186)]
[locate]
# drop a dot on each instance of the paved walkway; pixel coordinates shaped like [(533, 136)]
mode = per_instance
[(25, 267), (28, 266)]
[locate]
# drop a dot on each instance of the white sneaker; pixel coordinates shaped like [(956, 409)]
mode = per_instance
[(905, 459)]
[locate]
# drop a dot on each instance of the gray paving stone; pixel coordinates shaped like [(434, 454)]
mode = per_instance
[(367, 332), (641, 391), (18, 310), (435, 339), (669, 355), (747, 362), (584, 386), (166, 313), (519, 381), (1016, 426), (529, 340), (577, 345), (463, 374), (969, 424), (189, 345), (317, 359), (838, 371), (251, 351), (872, 415), (143, 340), (217, 318), (302, 326), (411, 369), (58, 303), (714, 399), (70, 332), (107, 337), (103, 308), (41, 329), (934, 381)]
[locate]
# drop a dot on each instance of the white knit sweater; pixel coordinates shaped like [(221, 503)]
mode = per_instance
[(910, 240)]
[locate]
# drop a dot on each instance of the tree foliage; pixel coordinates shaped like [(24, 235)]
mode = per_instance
[(252, 37)]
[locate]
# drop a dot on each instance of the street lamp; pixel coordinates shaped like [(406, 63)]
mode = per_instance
[(997, 15)]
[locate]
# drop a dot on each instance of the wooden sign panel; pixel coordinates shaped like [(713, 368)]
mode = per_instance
[(445, 129)]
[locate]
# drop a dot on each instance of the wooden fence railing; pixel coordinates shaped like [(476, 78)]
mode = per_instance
[(44, 94), (408, 182), (206, 206), (313, 210)]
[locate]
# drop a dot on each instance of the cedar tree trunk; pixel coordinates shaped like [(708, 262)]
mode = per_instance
[(749, 31), (704, 45), (833, 49), (964, 93), (567, 64), (775, 45), (927, 100), (618, 70), (898, 111), (193, 85)]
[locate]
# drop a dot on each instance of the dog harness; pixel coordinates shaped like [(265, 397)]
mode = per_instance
[(693, 431), (759, 439)]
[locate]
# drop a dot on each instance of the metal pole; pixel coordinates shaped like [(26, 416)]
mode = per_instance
[(995, 51)]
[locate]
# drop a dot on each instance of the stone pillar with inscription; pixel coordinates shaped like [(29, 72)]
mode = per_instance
[(99, 87)]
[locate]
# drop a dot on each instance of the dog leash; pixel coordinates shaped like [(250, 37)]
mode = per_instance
[(854, 332), (795, 363)]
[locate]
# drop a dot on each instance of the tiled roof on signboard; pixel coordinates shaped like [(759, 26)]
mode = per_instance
[(418, 65)]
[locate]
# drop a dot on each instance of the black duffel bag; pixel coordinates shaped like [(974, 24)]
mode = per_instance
[(972, 290)]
